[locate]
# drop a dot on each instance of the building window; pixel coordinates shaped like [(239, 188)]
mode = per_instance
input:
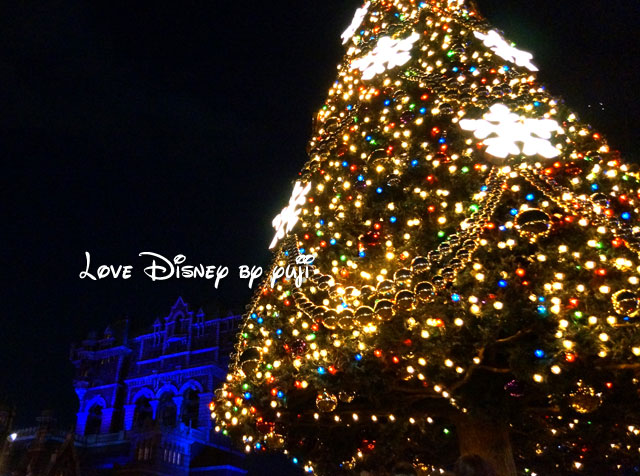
[(94, 420), (143, 414), (167, 411), (190, 408)]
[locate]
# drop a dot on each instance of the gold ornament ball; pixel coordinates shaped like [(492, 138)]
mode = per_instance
[(533, 223), (403, 276), (600, 199), (625, 303), (364, 315), (378, 154), (319, 312), (330, 320), (404, 300), (346, 397), (324, 282), (386, 288), (345, 320), (274, 441), (367, 292), (585, 399), (425, 291), (326, 402), (384, 309), (249, 360), (419, 264)]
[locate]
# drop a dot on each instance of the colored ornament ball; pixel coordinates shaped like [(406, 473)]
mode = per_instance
[(514, 388), (533, 224), (299, 347), (371, 238), (264, 426)]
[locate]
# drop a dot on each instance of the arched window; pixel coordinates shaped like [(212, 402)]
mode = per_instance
[(167, 411), (190, 408), (143, 414), (94, 420)]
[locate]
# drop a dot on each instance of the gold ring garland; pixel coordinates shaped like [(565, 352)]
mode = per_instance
[(449, 258), (582, 206)]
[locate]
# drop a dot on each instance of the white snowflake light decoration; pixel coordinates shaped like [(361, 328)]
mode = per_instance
[(387, 54), (288, 217), (355, 23), (453, 4), (504, 50), (509, 129)]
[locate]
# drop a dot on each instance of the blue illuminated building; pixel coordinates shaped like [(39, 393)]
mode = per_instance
[(143, 403)]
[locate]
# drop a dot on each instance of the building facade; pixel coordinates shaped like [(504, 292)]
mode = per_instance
[(144, 400)]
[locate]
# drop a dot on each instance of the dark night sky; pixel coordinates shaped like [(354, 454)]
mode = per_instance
[(178, 127)]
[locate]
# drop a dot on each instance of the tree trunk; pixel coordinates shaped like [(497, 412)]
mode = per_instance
[(489, 440)]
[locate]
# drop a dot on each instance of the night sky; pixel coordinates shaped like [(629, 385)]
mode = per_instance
[(179, 127)]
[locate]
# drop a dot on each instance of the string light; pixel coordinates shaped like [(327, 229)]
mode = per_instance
[(464, 223)]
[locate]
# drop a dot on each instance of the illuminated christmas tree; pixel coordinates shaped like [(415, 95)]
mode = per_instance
[(475, 287)]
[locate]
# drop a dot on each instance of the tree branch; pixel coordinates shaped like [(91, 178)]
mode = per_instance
[(424, 392), (515, 336), (496, 370), (480, 356), (620, 367), (472, 367)]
